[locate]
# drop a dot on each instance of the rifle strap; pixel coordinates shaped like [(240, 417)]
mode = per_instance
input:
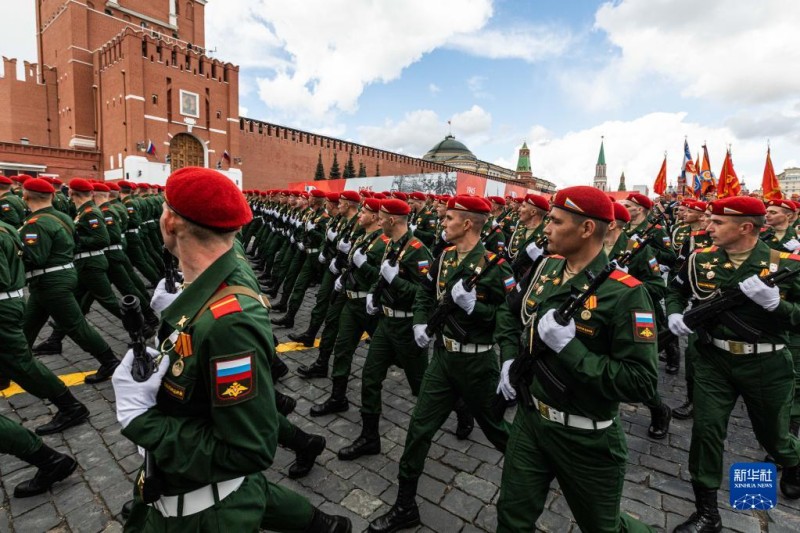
[(63, 224), (14, 241), (774, 260)]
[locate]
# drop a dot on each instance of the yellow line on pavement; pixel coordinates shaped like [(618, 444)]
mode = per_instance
[(70, 380), (299, 346)]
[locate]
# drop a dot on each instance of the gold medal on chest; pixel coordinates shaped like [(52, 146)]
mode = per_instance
[(710, 275), (586, 314), (177, 367), (539, 290)]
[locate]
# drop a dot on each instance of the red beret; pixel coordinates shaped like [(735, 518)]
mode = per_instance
[(394, 206), (621, 212), (695, 205), (112, 186), (351, 196), (80, 184), (5, 180), (207, 198), (372, 204), (444, 198), (518, 199), (538, 201), (640, 199), (366, 193), (430, 196), (316, 193), (472, 204), (333, 197), (303, 194), (57, 181), (587, 201), (796, 206), (497, 199), (100, 187), (21, 178), (416, 195), (786, 204), (400, 195), (379, 195), (38, 185), (738, 206), (123, 184)]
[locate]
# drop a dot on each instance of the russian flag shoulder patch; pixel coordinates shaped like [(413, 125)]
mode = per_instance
[(234, 378)]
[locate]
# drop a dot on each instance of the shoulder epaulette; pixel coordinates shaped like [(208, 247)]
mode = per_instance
[(384, 238), (450, 248), (87, 210), (32, 220), (698, 233), (225, 306), (415, 243), (659, 226), (789, 255), (625, 278), (555, 256), (709, 249)]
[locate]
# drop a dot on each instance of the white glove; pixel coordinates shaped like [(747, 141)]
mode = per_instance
[(412, 227), (677, 325), (309, 225), (134, 399), (333, 269), (620, 267), (533, 251), (344, 247), (504, 386), (337, 285), (301, 247), (635, 237), (284, 218), (465, 300), (321, 258), (359, 258), (444, 236), (495, 223), (554, 334), (371, 309), (420, 336), (792, 245), (389, 272), (161, 298), (761, 293), (331, 235), (292, 239), (663, 268)]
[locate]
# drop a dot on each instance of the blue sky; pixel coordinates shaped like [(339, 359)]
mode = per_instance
[(557, 74)]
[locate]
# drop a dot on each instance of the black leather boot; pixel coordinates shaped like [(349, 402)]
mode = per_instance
[(278, 369), (108, 363), (52, 468), (673, 362), (284, 404), (307, 338), (271, 291), (337, 403), (368, 443), (286, 321), (70, 413), (51, 345), (790, 482), (326, 523), (4, 383), (403, 514), (706, 519), (317, 369), (466, 422), (125, 512), (685, 411), (306, 448), (660, 418)]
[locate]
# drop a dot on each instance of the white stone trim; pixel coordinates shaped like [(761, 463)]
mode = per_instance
[(223, 132), (134, 97), (157, 119)]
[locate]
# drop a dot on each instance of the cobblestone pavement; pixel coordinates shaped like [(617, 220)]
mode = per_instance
[(458, 491)]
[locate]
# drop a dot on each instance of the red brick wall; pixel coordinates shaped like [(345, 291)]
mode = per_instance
[(65, 163), (27, 105)]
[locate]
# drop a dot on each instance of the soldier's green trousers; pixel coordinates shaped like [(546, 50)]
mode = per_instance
[(53, 294), (153, 245), (451, 376), (17, 440), (331, 330), (269, 251), (589, 467), (765, 382), (323, 299), (16, 360), (794, 348), (256, 504), (128, 266), (308, 272), (353, 322), (93, 280), (392, 344), (140, 258), (283, 263)]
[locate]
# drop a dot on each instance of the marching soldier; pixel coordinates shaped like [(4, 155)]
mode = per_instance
[(464, 363), (12, 207), (440, 242), (565, 436), (639, 206), (133, 233), (501, 217), (423, 223), (522, 249), (212, 393), (726, 366)]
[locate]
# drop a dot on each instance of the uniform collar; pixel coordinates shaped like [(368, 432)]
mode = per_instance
[(580, 280)]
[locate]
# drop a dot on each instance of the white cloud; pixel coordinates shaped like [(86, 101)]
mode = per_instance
[(475, 86), (727, 51), (529, 43), (637, 148), (434, 89)]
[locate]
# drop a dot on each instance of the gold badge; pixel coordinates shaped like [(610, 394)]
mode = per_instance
[(710, 275), (182, 321), (539, 290), (177, 368), (556, 281), (586, 314), (707, 266), (729, 266)]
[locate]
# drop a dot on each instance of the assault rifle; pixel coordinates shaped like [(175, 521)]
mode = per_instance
[(767, 234), (447, 305), (718, 309), (520, 267), (171, 276), (393, 256), (142, 369), (530, 361)]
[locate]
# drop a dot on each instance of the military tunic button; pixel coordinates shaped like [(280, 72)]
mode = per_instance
[(710, 275)]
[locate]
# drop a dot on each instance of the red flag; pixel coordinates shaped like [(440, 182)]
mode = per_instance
[(708, 183), (660, 185), (770, 188), (728, 180)]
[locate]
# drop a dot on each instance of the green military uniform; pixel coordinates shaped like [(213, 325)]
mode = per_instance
[(17, 440), (611, 359), (12, 209), (120, 214), (62, 203), (313, 240), (661, 243), (215, 418), (425, 223), (506, 222), (136, 248), (47, 236), (516, 251), (680, 233), (764, 379), (493, 238), (462, 366)]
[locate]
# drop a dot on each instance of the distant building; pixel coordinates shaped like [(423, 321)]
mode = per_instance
[(524, 163), (790, 181), (600, 178), (642, 189), (622, 182)]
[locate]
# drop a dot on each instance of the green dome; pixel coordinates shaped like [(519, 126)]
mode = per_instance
[(447, 150)]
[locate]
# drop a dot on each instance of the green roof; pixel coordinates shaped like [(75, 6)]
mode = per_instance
[(524, 161), (601, 159)]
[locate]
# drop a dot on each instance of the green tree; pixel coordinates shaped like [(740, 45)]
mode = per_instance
[(349, 168), (362, 170), (335, 173), (319, 175)]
